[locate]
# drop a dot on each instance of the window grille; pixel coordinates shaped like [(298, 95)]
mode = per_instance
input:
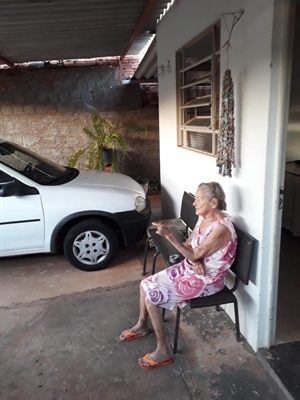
[(198, 77)]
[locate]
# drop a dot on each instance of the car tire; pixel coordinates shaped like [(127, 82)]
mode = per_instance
[(90, 245)]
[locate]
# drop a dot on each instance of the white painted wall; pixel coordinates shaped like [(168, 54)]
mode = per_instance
[(252, 62)]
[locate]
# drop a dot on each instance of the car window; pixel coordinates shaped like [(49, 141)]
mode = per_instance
[(30, 164), (5, 178)]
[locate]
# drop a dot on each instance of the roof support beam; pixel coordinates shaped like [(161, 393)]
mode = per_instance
[(5, 61), (149, 6)]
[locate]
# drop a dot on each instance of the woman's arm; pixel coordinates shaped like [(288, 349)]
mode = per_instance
[(215, 241), (189, 239)]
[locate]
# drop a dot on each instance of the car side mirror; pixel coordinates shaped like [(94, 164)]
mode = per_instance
[(14, 188)]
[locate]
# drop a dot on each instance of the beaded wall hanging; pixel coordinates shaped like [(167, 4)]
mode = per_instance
[(226, 145), (226, 136)]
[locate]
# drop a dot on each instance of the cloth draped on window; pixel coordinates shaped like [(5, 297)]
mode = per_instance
[(226, 142)]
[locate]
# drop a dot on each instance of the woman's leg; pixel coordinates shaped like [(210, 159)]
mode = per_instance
[(162, 351), (143, 317), (141, 326)]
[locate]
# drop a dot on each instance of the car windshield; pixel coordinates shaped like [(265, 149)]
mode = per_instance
[(33, 166)]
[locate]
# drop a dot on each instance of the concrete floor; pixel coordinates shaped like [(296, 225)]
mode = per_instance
[(30, 278), (59, 339)]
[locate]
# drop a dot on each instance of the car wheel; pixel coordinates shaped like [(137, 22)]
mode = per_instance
[(90, 246)]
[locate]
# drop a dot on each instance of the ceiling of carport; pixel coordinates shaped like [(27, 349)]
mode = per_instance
[(43, 30)]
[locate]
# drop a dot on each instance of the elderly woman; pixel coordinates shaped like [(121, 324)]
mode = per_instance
[(209, 252)]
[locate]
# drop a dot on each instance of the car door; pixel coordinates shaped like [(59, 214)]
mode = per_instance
[(21, 217)]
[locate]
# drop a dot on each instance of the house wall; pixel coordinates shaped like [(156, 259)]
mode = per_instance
[(45, 109), (251, 192)]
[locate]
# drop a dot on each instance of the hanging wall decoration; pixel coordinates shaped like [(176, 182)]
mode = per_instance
[(226, 144), (226, 136)]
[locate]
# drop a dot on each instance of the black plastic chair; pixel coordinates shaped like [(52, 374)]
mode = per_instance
[(241, 269)]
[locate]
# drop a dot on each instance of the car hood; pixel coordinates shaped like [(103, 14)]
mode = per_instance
[(109, 180)]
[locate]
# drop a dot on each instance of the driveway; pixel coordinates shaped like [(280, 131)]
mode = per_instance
[(29, 278), (59, 339)]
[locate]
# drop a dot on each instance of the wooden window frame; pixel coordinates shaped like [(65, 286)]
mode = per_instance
[(199, 133)]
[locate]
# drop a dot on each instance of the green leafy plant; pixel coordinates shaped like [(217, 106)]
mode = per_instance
[(106, 140), (154, 185), (142, 180)]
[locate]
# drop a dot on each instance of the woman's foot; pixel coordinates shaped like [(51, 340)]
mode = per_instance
[(156, 359), (137, 331)]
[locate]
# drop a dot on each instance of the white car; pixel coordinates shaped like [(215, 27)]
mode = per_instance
[(45, 206)]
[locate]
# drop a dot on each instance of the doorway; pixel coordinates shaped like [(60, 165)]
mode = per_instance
[(288, 301)]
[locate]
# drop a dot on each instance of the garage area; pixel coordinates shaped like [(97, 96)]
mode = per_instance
[(60, 326), (49, 83)]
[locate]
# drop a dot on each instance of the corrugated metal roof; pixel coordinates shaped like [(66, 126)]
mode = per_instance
[(147, 69), (41, 30)]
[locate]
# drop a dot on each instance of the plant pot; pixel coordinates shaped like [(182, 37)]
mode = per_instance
[(107, 156)]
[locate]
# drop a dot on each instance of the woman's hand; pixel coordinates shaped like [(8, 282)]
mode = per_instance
[(162, 230), (199, 268), (184, 248)]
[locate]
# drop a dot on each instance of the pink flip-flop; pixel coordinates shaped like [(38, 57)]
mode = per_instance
[(154, 364), (132, 335)]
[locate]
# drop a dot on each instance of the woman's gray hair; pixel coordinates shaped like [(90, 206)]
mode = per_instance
[(215, 191)]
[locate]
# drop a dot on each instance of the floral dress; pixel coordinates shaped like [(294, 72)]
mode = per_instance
[(178, 283)]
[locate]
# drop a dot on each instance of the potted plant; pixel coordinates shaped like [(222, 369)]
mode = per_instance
[(154, 185), (106, 140)]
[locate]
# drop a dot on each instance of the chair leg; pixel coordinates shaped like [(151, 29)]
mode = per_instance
[(163, 314), (145, 256), (218, 308), (237, 321), (154, 261), (176, 330)]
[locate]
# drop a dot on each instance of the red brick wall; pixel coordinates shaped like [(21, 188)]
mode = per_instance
[(45, 109)]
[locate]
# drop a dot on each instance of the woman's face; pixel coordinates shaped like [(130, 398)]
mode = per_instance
[(202, 203)]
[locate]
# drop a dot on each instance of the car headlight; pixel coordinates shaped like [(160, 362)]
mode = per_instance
[(140, 204)]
